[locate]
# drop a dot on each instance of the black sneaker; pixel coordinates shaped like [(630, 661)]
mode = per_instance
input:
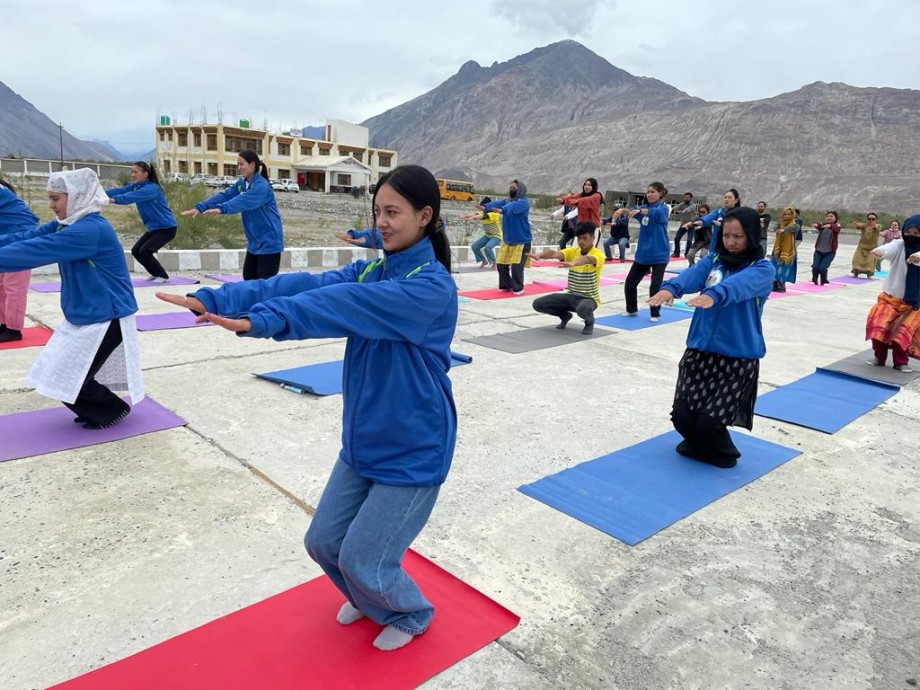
[(96, 427), (10, 335), (563, 321)]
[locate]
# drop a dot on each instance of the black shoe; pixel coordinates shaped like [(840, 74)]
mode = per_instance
[(2, 327), (685, 449), (10, 335), (115, 421), (588, 329), (80, 420), (563, 321)]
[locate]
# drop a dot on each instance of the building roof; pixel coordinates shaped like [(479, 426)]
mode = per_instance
[(336, 163)]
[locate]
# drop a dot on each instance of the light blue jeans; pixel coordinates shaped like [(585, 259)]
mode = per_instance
[(484, 245), (621, 243), (359, 535)]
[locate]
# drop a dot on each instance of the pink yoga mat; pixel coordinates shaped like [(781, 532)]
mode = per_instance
[(780, 295), (168, 320), (136, 282), (291, 641), (232, 278), (31, 337), (543, 263), (529, 289), (38, 432), (811, 287)]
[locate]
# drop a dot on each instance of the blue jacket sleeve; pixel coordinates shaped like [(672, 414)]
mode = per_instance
[(235, 299), (709, 217), (43, 246), (658, 214), (219, 198), (250, 199), (517, 206), (401, 310), (690, 280), (370, 236), (147, 192), (118, 190), (492, 205), (754, 281), (10, 237)]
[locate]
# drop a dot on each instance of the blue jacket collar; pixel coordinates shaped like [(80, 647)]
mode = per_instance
[(398, 264)]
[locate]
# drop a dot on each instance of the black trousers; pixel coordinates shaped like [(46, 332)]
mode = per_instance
[(145, 249), (568, 234), (630, 288), (563, 303), (258, 266), (708, 438), (95, 403), (681, 231), (512, 277)]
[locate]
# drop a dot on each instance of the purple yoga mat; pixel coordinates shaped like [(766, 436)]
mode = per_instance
[(168, 320), (136, 282), (48, 431), (224, 278), (811, 287), (850, 280)]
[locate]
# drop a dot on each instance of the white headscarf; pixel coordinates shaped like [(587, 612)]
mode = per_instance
[(84, 193)]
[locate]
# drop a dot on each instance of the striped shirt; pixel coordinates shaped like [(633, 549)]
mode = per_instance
[(584, 280)]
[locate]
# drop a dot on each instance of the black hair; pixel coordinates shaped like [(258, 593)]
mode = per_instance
[(658, 187), (798, 212), (737, 197), (702, 206), (150, 170), (8, 185), (872, 213), (833, 213), (585, 227), (690, 194), (418, 186), (251, 156), (485, 200), (762, 202)]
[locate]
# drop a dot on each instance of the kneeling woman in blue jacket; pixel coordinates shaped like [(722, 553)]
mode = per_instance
[(253, 197), (399, 423), (96, 343), (717, 379)]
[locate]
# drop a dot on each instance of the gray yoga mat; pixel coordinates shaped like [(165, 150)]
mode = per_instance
[(531, 339), (855, 365)]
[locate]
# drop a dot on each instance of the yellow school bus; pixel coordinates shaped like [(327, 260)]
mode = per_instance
[(456, 191)]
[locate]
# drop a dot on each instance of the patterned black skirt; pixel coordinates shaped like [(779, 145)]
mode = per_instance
[(724, 388)]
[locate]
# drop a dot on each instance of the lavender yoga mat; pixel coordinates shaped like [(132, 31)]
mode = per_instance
[(136, 282), (48, 431), (168, 320), (232, 278), (850, 280)]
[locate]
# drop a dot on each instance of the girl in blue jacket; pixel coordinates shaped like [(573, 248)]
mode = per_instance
[(96, 297), (146, 192), (253, 197), (653, 248), (15, 216), (398, 314), (717, 379)]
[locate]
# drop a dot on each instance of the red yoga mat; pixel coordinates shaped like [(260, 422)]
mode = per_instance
[(292, 641), (529, 289), (31, 337)]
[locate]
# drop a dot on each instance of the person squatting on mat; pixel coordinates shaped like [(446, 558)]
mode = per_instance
[(96, 343), (619, 236), (514, 251), (146, 192), (491, 234), (251, 196), (15, 216), (583, 294), (702, 237), (717, 378), (825, 247), (398, 314), (652, 248), (894, 320)]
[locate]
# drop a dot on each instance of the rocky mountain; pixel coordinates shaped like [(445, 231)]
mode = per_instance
[(573, 115), (26, 131)]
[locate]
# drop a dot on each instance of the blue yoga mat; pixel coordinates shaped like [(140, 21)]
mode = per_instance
[(637, 323), (826, 400), (636, 492), (325, 378)]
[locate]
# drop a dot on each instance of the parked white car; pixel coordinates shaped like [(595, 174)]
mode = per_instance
[(284, 186)]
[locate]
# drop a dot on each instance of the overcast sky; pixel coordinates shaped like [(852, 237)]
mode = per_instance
[(107, 69)]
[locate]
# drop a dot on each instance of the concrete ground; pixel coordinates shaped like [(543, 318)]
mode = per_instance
[(808, 577)]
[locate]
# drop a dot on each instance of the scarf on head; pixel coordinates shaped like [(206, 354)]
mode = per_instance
[(750, 223), (84, 193), (911, 246), (593, 182), (784, 246)]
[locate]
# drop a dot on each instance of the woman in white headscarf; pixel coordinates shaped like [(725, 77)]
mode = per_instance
[(96, 343)]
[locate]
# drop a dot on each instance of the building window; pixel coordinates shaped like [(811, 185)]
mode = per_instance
[(197, 167), (183, 138), (237, 144), (197, 139), (162, 135), (229, 170), (183, 166), (212, 169), (212, 143), (284, 149), (324, 150), (284, 174), (167, 166), (343, 180), (384, 161), (169, 135), (306, 149)]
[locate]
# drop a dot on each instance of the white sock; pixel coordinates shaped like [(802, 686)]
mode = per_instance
[(391, 638), (348, 614)]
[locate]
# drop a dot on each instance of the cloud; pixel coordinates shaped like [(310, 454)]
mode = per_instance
[(573, 18)]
